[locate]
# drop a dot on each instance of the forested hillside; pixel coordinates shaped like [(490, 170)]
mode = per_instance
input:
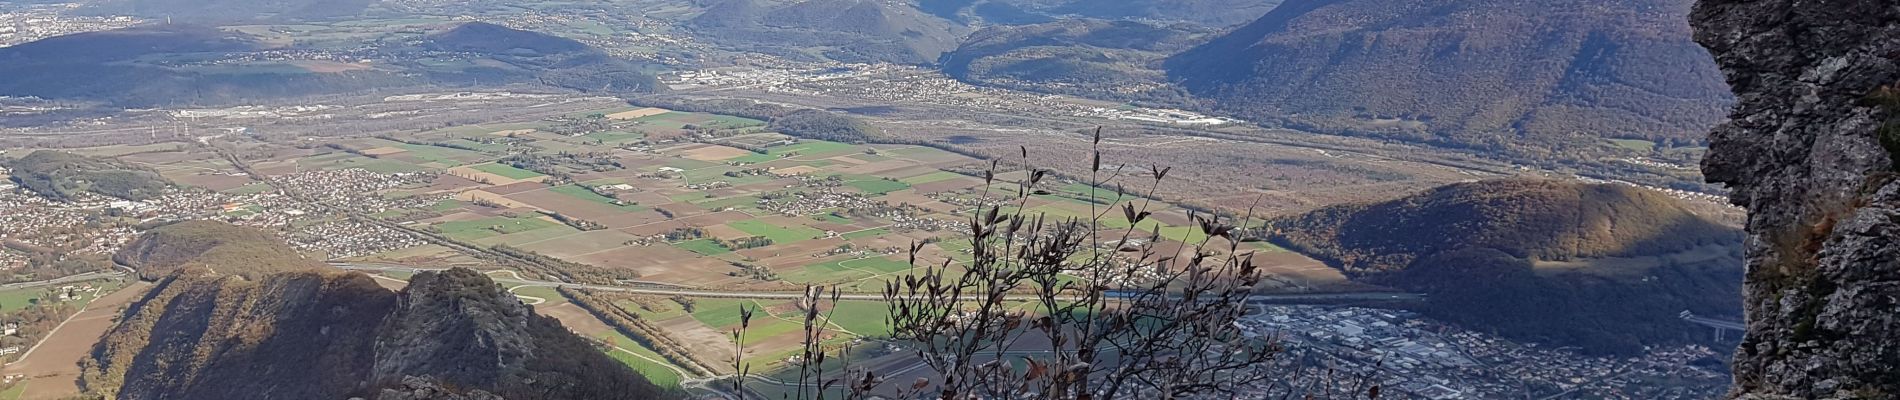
[(1606, 267), (61, 176), (1099, 58), (219, 247), (841, 30)]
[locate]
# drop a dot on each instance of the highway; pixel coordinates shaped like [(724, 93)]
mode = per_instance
[(63, 280), (1288, 298), (1713, 323)]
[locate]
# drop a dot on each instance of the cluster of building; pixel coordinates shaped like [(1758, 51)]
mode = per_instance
[(817, 201), (1415, 357), (92, 224), (892, 83), (26, 22), (1677, 193), (355, 188), (30, 223), (345, 239)]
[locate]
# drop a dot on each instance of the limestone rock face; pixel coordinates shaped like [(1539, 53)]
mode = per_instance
[(1803, 151)]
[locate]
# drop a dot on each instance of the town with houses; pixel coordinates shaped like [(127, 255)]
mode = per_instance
[(1420, 358)]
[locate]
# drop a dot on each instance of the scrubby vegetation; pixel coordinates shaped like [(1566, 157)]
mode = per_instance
[(221, 247), (338, 335)]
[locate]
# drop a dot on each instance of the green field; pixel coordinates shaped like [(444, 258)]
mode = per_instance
[(877, 186), (867, 233), (659, 374), (446, 205), (485, 227), (1634, 144), (506, 171), (14, 392), (18, 299), (740, 202), (778, 234), (846, 270), (615, 137), (720, 313), (865, 318), (439, 154), (932, 177), (812, 148), (552, 296), (589, 195), (707, 247)]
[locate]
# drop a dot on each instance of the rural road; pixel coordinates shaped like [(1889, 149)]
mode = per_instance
[(1286, 298)]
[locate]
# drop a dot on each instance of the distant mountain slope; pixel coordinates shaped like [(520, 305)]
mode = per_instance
[(231, 10), (184, 65), (842, 30), (1212, 13), (541, 57), (1080, 55), (1207, 13), (221, 247), (1496, 74), (160, 65), (329, 335), (1607, 267), (60, 175), (483, 37)]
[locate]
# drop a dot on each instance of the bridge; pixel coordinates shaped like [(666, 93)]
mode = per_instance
[(1721, 327)]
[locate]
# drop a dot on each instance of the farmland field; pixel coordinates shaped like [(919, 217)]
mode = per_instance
[(778, 234), (642, 197), (507, 171)]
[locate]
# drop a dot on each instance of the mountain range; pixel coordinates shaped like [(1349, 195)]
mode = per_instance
[(841, 30), (1099, 57), (1505, 75), (181, 64)]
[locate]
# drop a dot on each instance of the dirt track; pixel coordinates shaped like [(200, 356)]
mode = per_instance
[(52, 369)]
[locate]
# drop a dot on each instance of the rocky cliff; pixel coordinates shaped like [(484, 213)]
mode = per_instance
[(329, 335), (1811, 150)]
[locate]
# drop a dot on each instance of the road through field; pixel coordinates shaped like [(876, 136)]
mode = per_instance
[(52, 366)]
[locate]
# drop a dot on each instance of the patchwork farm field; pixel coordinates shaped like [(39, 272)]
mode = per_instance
[(706, 202)]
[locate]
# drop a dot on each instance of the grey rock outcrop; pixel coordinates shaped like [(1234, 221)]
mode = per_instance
[(1804, 152)]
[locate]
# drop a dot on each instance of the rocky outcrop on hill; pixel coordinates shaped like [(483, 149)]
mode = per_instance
[(329, 335), (1811, 151)]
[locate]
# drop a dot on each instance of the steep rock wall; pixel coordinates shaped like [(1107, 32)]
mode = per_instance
[(1804, 151)]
